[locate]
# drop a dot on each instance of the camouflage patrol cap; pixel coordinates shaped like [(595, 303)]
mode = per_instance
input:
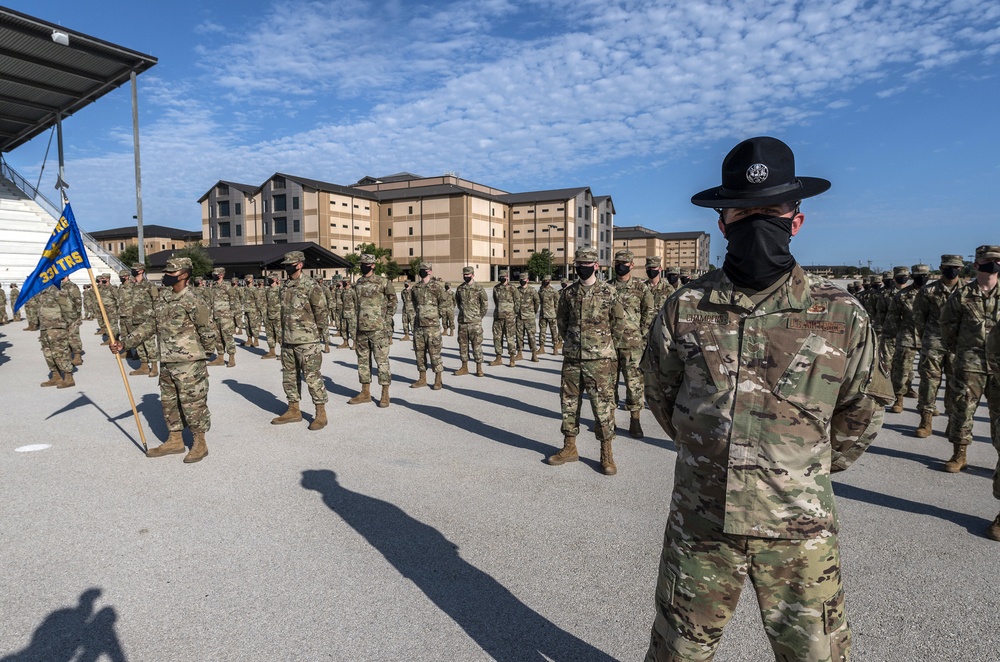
[(858, 283), (564, 282), (683, 271), (138, 266), (219, 271), (523, 277), (105, 275), (178, 264), (586, 255), (673, 270), (869, 279), (427, 266), (886, 274), (546, 279), (294, 257), (918, 269), (367, 258), (124, 272), (653, 261), (900, 271), (952, 261), (503, 274), (624, 256), (988, 252), (468, 270)]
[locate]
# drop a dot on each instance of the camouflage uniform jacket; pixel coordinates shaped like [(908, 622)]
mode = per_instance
[(374, 294), (898, 322), (472, 303), (660, 292), (448, 310), (585, 318), (182, 326), (15, 292), (637, 303), (55, 310), (125, 299), (109, 297), (505, 301), (882, 302), (407, 296), (331, 301), (338, 295), (304, 315), (272, 295), (72, 291), (222, 301), (527, 302), (143, 298), (763, 402), (259, 298), (548, 298), (966, 319), (428, 302), (870, 301), (927, 314), (350, 298)]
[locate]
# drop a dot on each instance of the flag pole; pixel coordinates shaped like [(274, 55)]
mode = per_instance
[(121, 366)]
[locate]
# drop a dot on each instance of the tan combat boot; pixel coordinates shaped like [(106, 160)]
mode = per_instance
[(512, 362), (464, 370), (55, 379), (383, 402), (607, 459), (479, 370), (567, 454), (958, 460), (319, 422), (993, 530), (925, 429), (143, 369), (67, 381), (519, 356), (437, 381), (910, 393), (173, 444), (534, 357), (897, 408), (345, 344), (232, 361), (154, 369), (421, 380), (634, 426), (497, 361), (326, 346), (218, 360), (292, 415), (270, 354), (541, 348), (362, 397), (198, 449), (77, 358)]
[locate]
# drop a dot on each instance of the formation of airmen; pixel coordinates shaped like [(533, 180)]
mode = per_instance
[(947, 325)]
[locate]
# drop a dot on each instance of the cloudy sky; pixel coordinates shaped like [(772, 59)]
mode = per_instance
[(894, 101)]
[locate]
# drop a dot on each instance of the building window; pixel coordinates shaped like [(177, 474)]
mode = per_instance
[(280, 226), (280, 203), (278, 182), (367, 208), (390, 211), (494, 252), (517, 232), (343, 204), (239, 230), (579, 231), (345, 226), (357, 227), (267, 228), (544, 210), (239, 209), (223, 229), (409, 231), (295, 225), (355, 206), (281, 241), (295, 202), (559, 208), (222, 189), (411, 252), (517, 211), (223, 208), (411, 210), (390, 232)]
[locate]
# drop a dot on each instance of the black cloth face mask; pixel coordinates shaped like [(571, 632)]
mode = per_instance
[(367, 269), (989, 268), (585, 271), (919, 281), (467, 278), (901, 280), (673, 279), (652, 273), (950, 273), (758, 252), (290, 269), (170, 281), (622, 270), (422, 273)]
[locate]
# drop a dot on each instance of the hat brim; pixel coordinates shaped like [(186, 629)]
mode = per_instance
[(806, 187)]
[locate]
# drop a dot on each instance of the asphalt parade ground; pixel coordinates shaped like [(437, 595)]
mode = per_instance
[(431, 530)]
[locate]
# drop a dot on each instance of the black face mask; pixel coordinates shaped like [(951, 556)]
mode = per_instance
[(622, 270), (673, 279), (467, 278), (122, 279), (901, 280), (585, 271), (919, 281), (135, 272), (290, 269), (447, 288), (989, 268), (950, 273), (758, 252), (685, 280), (652, 273), (503, 281), (422, 273), (170, 281), (218, 279), (366, 269)]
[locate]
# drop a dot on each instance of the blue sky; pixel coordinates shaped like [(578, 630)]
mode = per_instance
[(893, 101)]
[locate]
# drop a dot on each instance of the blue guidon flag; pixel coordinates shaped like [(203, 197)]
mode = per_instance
[(64, 253)]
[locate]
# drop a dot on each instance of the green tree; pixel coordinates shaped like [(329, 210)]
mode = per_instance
[(130, 256), (540, 264), (384, 264), (392, 270), (353, 260), (200, 261), (415, 266)]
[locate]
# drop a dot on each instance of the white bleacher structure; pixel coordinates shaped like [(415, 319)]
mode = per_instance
[(26, 223)]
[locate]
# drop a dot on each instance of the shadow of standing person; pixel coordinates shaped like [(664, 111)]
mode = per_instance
[(65, 632), (506, 628)]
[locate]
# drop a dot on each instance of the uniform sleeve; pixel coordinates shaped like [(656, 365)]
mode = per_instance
[(203, 325), (320, 311), (484, 301), (919, 315), (390, 298), (890, 326), (951, 317), (562, 316), (663, 370), (647, 311)]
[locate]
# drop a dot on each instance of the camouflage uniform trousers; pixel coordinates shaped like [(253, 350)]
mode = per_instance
[(504, 327), (272, 329), (427, 340), (902, 369), (408, 323), (448, 322), (307, 360), (225, 330), (184, 396), (549, 324), (3, 313), (525, 328), (995, 429), (597, 378), (970, 387), (75, 341), (349, 329), (797, 583), (55, 349), (367, 344), (470, 333), (253, 323), (933, 364), (628, 368)]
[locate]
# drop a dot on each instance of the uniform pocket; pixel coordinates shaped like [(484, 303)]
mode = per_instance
[(833, 613), (706, 371), (812, 379)]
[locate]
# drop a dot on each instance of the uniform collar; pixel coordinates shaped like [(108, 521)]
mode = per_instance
[(792, 295)]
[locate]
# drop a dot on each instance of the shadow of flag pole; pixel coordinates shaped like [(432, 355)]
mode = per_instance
[(121, 365)]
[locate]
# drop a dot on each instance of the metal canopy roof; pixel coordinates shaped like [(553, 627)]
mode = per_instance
[(41, 79)]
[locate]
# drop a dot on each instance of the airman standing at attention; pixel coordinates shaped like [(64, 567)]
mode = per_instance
[(124, 303), (588, 311), (142, 302), (993, 400), (968, 316), (407, 298), (472, 303), (899, 325), (304, 320), (889, 289), (109, 296), (236, 304), (657, 284), (3, 306), (548, 303), (374, 295), (505, 313), (272, 320), (333, 304), (673, 277), (55, 316), (527, 306), (15, 292), (185, 336), (222, 315), (72, 292), (428, 299), (88, 302), (629, 335), (448, 312), (900, 276), (935, 360), (253, 303), (350, 301)]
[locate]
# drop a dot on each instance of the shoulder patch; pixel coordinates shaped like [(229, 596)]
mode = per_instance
[(817, 325)]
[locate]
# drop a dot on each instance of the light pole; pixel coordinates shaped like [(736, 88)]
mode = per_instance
[(551, 229)]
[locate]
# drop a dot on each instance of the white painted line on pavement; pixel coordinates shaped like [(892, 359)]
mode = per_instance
[(32, 447)]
